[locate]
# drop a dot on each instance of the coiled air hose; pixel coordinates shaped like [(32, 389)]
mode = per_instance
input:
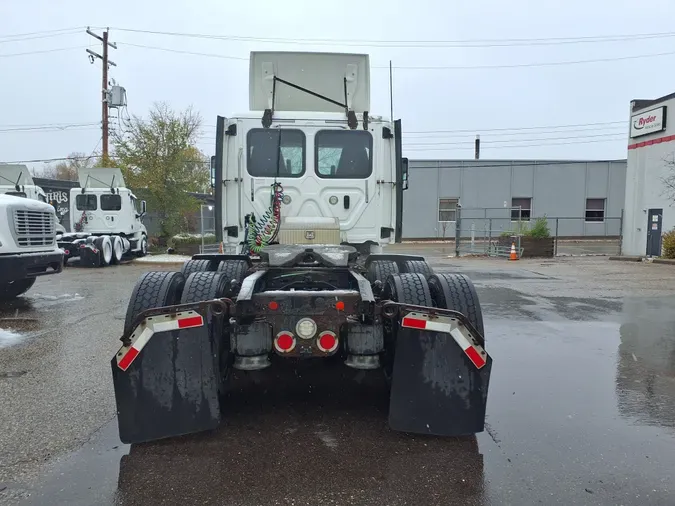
[(264, 231)]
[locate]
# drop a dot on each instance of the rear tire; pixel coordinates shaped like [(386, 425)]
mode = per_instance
[(13, 289), (195, 266), (153, 289), (381, 269), (233, 270), (408, 288), (104, 245), (118, 249), (142, 247), (418, 266), (456, 292), (201, 286)]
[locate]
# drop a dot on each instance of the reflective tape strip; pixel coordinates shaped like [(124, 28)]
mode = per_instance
[(148, 327), (451, 326)]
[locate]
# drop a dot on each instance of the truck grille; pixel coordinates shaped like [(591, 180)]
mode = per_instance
[(34, 228)]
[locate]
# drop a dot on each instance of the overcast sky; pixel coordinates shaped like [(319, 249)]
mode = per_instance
[(62, 87)]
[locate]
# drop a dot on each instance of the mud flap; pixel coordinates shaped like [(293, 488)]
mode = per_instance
[(435, 388), (172, 387)]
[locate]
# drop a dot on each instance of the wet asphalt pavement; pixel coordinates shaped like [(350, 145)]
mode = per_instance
[(581, 407)]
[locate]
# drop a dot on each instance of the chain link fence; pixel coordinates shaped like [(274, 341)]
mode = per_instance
[(493, 232)]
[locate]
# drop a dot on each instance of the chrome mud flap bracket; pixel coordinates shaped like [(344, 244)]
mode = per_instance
[(441, 375), (167, 376)]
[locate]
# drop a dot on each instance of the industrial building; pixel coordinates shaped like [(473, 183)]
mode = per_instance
[(648, 204), (579, 198)]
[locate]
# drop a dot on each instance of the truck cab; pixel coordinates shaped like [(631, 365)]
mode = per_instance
[(16, 180), (309, 134), (27, 244)]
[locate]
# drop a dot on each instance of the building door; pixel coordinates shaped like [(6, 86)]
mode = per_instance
[(655, 217)]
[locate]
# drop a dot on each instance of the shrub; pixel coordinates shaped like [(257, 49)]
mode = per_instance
[(669, 244), (540, 229)]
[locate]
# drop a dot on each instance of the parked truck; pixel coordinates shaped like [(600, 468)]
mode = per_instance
[(309, 193), (105, 220), (27, 244)]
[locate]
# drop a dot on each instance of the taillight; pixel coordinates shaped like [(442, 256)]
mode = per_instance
[(327, 341), (284, 342)]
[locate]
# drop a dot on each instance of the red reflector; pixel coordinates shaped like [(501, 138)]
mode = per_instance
[(327, 341), (340, 306), (475, 357), (193, 321), (414, 323), (285, 342), (273, 305), (128, 358)]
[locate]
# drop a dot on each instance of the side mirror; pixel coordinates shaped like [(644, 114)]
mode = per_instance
[(213, 172), (404, 170), (144, 207)]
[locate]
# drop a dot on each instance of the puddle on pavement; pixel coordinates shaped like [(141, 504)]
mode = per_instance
[(9, 338)]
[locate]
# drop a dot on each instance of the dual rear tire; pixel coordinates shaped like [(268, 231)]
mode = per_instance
[(193, 284)]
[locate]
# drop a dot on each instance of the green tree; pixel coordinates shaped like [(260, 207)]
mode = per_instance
[(160, 159)]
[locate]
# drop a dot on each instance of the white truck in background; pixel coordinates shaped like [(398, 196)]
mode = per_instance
[(28, 246), (16, 180), (105, 220)]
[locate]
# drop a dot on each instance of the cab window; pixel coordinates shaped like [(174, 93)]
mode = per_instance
[(343, 154), (111, 202), (275, 152), (85, 202)]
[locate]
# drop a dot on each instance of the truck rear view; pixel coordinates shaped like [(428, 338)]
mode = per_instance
[(309, 191)]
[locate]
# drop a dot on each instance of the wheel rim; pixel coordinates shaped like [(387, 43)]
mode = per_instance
[(107, 252), (144, 246), (118, 249)]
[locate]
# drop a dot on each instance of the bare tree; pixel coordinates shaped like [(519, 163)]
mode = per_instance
[(67, 169)]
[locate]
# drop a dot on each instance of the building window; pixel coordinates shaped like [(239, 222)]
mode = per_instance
[(595, 210), (525, 211), (447, 210)]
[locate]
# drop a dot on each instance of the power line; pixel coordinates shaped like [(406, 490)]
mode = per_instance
[(41, 32), (52, 128), (44, 36), (419, 148), (422, 67), (481, 130), (42, 51), (413, 43), (488, 142), (523, 65), (180, 51)]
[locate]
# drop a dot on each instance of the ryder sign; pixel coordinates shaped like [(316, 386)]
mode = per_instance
[(648, 122)]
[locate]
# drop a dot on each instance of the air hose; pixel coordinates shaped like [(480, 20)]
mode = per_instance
[(264, 231)]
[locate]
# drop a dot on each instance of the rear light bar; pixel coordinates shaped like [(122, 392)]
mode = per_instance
[(475, 352), (150, 326)]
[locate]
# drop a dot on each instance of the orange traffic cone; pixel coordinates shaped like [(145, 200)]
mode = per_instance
[(514, 255), (220, 248)]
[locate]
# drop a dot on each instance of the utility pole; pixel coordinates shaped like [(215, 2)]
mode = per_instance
[(104, 87)]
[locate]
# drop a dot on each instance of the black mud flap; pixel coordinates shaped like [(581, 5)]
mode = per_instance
[(172, 387), (90, 257), (435, 388)]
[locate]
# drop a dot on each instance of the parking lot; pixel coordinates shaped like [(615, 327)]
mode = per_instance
[(581, 407)]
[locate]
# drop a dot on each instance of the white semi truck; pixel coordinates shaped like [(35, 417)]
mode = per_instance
[(105, 219), (27, 244), (309, 189)]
